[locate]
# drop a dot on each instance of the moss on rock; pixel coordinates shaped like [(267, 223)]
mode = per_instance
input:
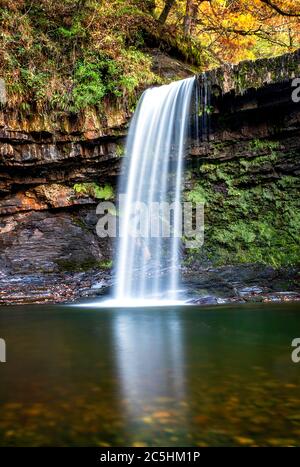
[(251, 210), (93, 190), (255, 74)]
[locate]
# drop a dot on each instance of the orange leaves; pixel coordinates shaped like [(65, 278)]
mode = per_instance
[(234, 30)]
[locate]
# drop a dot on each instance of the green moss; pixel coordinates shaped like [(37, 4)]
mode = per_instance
[(254, 74), (95, 191), (83, 266), (106, 264), (261, 145), (197, 195), (77, 266), (120, 150), (249, 217), (80, 223)]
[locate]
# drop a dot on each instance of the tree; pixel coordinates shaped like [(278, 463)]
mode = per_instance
[(280, 9), (191, 11), (234, 30), (188, 18), (167, 8)]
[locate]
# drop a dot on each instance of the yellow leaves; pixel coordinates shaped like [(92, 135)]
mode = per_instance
[(243, 441), (242, 22), (247, 29)]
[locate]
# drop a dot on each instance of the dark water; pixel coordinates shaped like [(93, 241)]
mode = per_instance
[(150, 377)]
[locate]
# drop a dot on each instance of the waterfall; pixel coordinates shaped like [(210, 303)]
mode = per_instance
[(148, 258)]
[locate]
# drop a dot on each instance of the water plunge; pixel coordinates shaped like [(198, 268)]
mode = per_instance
[(148, 262)]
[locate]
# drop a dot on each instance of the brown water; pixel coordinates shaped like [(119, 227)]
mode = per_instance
[(186, 376)]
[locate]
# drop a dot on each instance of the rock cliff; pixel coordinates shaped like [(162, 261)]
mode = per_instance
[(53, 172)]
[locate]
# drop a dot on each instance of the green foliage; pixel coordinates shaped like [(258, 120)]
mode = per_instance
[(89, 88), (77, 30), (69, 56), (261, 145), (208, 109), (106, 264), (120, 150), (198, 195), (95, 191), (105, 192)]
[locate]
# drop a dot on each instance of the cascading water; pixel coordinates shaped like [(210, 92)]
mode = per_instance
[(148, 263)]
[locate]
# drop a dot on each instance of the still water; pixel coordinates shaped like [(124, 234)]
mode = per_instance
[(182, 376)]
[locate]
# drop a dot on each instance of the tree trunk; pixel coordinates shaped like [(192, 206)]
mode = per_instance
[(187, 18), (190, 16), (164, 14)]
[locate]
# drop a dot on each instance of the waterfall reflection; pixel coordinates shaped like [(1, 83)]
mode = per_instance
[(149, 358)]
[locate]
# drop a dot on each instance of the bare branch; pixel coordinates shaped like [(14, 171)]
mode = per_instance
[(278, 9)]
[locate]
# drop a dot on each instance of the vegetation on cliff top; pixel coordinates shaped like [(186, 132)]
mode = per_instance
[(67, 56)]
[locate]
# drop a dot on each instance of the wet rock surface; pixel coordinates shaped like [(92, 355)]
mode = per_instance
[(52, 288), (241, 284), (51, 242), (215, 286)]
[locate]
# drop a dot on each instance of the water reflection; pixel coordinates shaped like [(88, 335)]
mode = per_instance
[(149, 357), (154, 376)]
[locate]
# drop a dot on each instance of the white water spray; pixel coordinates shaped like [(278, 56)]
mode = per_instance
[(148, 266)]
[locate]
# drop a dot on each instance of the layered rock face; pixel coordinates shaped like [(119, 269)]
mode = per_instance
[(48, 198), (246, 171), (53, 173)]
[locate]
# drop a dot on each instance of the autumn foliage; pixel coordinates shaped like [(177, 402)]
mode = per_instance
[(234, 30), (72, 54)]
